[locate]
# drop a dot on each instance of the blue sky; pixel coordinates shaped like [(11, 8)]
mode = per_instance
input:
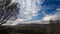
[(49, 7)]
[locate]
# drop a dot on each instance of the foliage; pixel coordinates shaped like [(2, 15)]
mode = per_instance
[(8, 10), (54, 26), (56, 22)]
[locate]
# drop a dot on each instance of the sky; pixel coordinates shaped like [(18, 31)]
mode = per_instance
[(43, 10)]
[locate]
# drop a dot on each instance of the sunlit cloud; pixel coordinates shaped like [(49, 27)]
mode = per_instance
[(55, 16), (48, 17)]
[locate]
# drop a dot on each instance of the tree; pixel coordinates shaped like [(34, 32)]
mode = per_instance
[(51, 26), (54, 26), (8, 10)]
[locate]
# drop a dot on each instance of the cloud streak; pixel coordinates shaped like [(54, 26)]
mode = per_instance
[(28, 9)]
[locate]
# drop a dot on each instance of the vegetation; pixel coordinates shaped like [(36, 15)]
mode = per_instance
[(54, 26), (8, 10)]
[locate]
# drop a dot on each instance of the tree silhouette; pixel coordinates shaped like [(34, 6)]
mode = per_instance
[(54, 26), (51, 26), (8, 10)]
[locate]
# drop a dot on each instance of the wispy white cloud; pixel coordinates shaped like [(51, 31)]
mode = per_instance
[(28, 9)]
